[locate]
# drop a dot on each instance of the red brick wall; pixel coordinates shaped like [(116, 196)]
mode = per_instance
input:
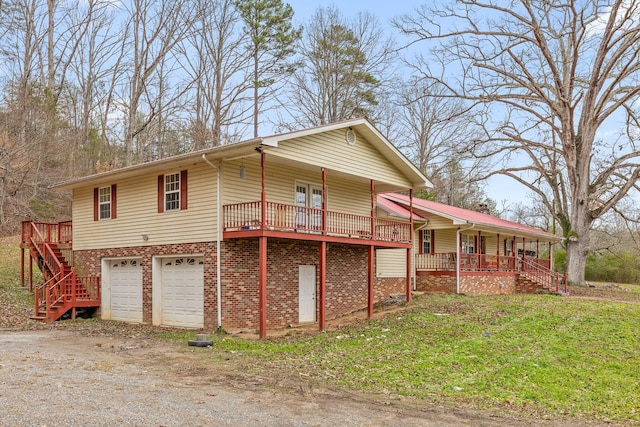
[(346, 278), (487, 283), (436, 282), (89, 263)]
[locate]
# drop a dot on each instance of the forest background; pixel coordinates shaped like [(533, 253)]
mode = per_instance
[(92, 85)]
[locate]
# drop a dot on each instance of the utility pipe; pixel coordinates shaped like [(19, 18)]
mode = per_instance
[(218, 239)]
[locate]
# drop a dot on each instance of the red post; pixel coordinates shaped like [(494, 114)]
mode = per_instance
[(262, 293), (323, 284), (409, 266), (22, 266), (324, 202), (370, 282), (373, 209), (263, 194), (498, 252)]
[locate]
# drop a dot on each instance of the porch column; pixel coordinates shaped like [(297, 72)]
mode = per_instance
[(323, 284), (373, 208), (262, 293), (263, 194), (479, 250), (409, 250), (498, 252), (372, 253), (324, 202), (537, 249)]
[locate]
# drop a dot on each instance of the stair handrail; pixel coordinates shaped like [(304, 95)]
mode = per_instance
[(45, 251), (546, 277)]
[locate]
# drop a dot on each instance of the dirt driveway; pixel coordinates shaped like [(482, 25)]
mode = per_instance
[(54, 377)]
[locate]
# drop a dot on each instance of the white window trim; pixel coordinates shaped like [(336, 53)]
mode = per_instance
[(104, 191), (175, 191)]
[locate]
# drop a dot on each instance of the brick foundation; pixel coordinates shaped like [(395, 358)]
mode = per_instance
[(346, 278), (486, 283)]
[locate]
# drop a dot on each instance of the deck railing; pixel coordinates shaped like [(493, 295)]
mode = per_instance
[(468, 262), (292, 218)]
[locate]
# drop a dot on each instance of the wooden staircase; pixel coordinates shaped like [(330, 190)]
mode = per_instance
[(536, 279), (63, 291)]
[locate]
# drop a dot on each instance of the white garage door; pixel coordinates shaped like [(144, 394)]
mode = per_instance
[(125, 296), (183, 292)]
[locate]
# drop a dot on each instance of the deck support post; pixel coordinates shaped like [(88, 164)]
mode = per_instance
[(30, 272), (323, 284), (262, 294), (370, 297), (22, 266)]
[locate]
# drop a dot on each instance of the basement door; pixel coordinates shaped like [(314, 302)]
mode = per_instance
[(125, 290), (182, 298), (307, 293)]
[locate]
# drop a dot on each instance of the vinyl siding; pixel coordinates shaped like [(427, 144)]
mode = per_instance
[(391, 263), (331, 150), (343, 195), (138, 214)]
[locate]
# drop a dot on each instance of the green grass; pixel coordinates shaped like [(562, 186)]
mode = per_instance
[(16, 303), (532, 355)]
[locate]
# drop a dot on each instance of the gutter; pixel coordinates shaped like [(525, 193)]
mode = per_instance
[(218, 240), (458, 255)]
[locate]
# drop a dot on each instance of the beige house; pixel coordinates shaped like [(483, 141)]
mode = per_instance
[(254, 235), (460, 251), (284, 230)]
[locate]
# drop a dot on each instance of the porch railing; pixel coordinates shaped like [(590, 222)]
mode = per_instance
[(292, 218)]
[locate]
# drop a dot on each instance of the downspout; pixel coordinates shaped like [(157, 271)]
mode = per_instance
[(458, 256), (218, 240)]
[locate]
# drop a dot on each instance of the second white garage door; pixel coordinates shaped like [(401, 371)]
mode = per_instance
[(183, 292)]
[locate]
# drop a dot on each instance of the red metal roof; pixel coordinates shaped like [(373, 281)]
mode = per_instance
[(458, 214)]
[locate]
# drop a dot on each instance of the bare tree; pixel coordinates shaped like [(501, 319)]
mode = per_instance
[(220, 73), (153, 31), (550, 75), (345, 65)]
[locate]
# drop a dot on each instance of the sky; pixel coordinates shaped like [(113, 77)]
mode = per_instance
[(497, 188)]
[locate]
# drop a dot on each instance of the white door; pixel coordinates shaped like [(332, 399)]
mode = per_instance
[(309, 196), (307, 293), (182, 296), (125, 290)]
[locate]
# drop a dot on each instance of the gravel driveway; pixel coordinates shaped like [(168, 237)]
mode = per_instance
[(65, 378)]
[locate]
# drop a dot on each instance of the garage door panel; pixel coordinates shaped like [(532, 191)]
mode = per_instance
[(183, 292), (125, 277)]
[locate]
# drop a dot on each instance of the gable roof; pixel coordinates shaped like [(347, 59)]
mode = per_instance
[(249, 147), (462, 217)]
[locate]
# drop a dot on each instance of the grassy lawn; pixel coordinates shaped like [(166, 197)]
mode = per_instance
[(524, 355), (16, 303), (541, 356)]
